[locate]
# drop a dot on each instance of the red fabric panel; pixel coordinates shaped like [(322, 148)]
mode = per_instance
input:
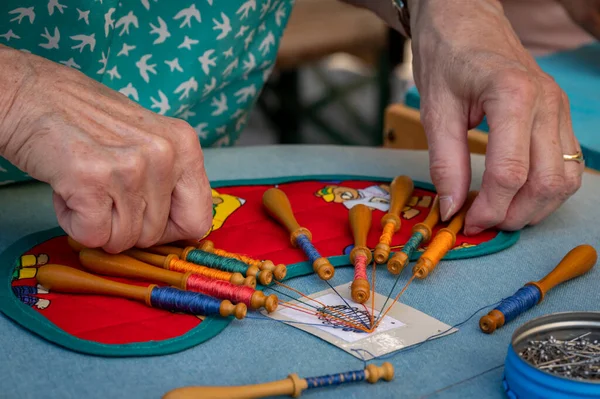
[(247, 229)]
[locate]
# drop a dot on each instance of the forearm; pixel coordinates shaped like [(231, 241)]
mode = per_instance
[(12, 78)]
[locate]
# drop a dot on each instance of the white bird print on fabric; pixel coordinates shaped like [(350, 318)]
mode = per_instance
[(52, 40), (109, 23), (126, 22), (242, 120), (229, 69), (23, 12), (52, 4), (206, 61), (221, 129), (250, 64), (104, 62), (146, 4), (210, 2), (280, 14), (125, 50), (228, 53), (130, 91), (245, 93), (267, 43), (187, 43), (249, 39), (186, 87), (9, 35), (184, 112), (85, 15), (71, 63), (262, 27), (161, 30), (245, 9), (144, 68), (242, 31), (264, 9), (209, 87), (224, 27), (220, 104), (187, 14), (200, 130), (162, 105), (113, 73), (85, 40), (174, 65)]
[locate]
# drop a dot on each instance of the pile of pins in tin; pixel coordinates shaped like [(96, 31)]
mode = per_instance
[(577, 358)]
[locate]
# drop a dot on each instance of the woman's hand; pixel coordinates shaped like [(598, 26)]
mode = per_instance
[(468, 62), (122, 176), (585, 13)]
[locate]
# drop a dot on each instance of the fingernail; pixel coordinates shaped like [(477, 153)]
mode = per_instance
[(446, 207)]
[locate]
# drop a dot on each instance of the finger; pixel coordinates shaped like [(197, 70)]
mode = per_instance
[(546, 178), (85, 216), (508, 106), (191, 201), (573, 170), (129, 205), (449, 158), (160, 183)]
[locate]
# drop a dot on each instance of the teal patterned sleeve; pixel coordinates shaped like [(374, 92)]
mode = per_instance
[(204, 61)]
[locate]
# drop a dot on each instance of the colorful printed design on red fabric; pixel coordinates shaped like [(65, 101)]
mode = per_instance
[(240, 225)]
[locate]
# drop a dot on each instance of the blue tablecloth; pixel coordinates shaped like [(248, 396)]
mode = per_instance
[(577, 72), (465, 364)]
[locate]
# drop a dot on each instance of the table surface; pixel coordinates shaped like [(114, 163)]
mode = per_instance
[(467, 363)]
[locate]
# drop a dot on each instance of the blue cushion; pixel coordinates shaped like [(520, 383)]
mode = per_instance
[(577, 72)]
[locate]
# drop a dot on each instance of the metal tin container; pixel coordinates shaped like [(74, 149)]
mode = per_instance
[(523, 380)]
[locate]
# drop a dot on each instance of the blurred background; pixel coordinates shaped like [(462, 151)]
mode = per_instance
[(333, 80)]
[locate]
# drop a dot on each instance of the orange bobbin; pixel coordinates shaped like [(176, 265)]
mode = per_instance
[(279, 208), (360, 223), (421, 233), (119, 265), (278, 271), (171, 261), (401, 190), (60, 278), (444, 241)]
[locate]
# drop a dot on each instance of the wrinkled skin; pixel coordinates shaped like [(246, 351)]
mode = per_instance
[(122, 176), (468, 62)]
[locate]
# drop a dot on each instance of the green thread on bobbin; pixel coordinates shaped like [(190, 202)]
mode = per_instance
[(200, 257)]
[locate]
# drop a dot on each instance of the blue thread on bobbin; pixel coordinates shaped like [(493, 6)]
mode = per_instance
[(173, 299), (524, 299), (336, 379), (412, 244), (310, 251)]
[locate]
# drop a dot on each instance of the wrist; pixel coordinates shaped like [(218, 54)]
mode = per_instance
[(15, 67)]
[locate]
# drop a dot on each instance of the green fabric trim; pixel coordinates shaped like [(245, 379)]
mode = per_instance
[(35, 322)]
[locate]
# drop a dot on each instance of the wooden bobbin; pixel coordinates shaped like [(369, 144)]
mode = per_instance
[(443, 241), (265, 277), (170, 254), (292, 386), (279, 208), (279, 271), (360, 223), (120, 265), (65, 279), (401, 190), (400, 259), (575, 263), (165, 262)]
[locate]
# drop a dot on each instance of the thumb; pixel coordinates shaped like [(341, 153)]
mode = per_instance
[(446, 128)]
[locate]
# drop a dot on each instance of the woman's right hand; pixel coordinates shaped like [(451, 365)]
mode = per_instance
[(122, 175)]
